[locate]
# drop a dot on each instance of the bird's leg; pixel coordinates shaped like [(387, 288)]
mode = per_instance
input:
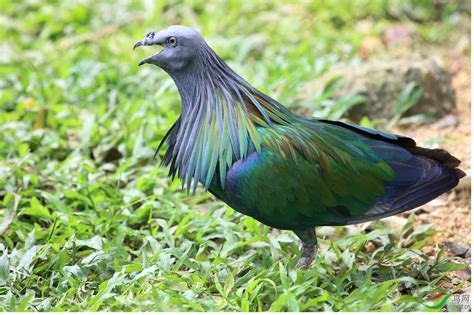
[(308, 250)]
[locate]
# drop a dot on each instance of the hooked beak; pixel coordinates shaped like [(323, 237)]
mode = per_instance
[(150, 40)]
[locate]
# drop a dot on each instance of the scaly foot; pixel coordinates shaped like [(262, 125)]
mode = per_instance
[(308, 252)]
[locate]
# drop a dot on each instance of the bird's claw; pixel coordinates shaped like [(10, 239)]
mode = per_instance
[(304, 263)]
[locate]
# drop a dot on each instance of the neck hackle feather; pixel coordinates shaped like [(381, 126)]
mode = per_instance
[(218, 123)]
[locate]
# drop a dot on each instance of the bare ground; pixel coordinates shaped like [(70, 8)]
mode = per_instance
[(451, 212)]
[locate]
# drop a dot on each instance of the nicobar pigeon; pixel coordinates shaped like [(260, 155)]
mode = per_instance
[(285, 170)]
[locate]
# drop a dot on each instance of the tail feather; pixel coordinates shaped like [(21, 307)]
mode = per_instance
[(434, 180), (441, 156)]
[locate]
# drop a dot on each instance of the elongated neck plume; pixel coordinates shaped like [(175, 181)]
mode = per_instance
[(218, 123)]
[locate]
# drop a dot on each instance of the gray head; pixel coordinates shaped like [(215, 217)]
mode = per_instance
[(181, 45), (192, 64)]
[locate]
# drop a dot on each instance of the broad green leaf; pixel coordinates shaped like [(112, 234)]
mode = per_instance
[(36, 210)]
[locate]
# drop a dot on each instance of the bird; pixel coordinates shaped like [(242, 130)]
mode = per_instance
[(286, 170)]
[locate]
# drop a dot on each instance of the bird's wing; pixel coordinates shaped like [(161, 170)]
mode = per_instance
[(324, 173), (372, 133)]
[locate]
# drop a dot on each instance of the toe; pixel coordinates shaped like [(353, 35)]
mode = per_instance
[(303, 263)]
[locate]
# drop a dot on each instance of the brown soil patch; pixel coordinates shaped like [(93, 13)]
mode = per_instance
[(451, 212)]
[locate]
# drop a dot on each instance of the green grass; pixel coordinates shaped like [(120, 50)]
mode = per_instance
[(90, 222)]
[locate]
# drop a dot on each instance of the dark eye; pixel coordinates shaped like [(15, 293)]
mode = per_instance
[(172, 41)]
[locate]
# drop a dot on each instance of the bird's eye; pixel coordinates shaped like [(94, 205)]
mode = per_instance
[(172, 41)]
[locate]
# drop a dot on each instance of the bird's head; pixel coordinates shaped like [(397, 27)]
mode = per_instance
[(180, 46)]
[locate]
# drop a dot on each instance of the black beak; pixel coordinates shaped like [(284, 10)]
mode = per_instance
[(144, 61), (150, 40), (138, 44)]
